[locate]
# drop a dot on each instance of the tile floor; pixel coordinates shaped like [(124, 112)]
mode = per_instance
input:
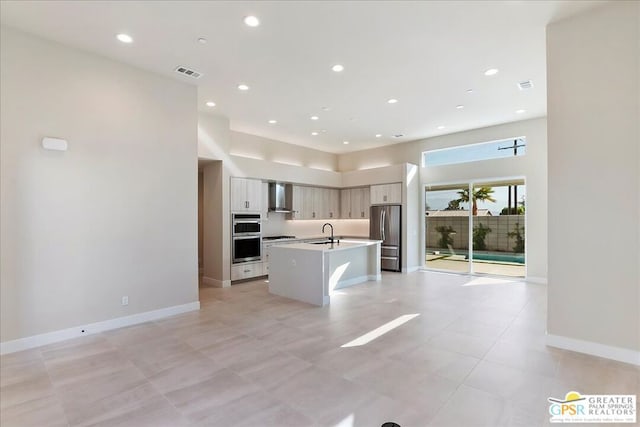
[(475, 356)]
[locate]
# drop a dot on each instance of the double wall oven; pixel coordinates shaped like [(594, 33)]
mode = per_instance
[(246, 237)]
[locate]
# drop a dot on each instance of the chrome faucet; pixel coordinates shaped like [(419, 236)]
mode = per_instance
[(331, 230)]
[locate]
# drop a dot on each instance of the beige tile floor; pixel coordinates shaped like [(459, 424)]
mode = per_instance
[(475, 356), (480, 267)]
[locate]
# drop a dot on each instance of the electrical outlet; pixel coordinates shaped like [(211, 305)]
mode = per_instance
[(125, 300)]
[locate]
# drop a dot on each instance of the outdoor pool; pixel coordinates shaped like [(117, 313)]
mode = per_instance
[(517, 258)]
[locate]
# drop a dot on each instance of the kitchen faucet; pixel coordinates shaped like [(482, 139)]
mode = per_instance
[(331, 230)]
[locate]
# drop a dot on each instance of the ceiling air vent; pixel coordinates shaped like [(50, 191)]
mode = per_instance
[(527, 84), (398, 135), (188, 72)]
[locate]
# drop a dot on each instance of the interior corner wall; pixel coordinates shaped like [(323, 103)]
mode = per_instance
[(214, 140), (594, 178), (216, 250), (116, 214)]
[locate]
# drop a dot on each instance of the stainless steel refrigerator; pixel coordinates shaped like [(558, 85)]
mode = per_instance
[(384, 224)]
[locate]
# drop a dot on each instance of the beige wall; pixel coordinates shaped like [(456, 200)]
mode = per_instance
[(200, 216), (116, 214), (594, 172), (257, 147)]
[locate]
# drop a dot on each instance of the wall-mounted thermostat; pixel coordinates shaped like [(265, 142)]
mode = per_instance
[(54, 144)]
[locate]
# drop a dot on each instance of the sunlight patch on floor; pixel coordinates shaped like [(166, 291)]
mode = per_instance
[(378, 332)]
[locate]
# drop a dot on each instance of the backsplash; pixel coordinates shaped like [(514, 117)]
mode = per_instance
[(276, 224)]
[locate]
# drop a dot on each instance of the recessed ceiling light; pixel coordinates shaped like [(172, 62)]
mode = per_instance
[(392, 101), (398, 135), (521, 111), (211, 104), (469, 90), (378, 135), (314, 133), (323, 131), (345, 142), (325, 108), (460, 107), (243, 87), (440, 127), (273, 122), (125, 38), (337, 68), (314, 117), (202, 40), (251, 21), (491, 72)]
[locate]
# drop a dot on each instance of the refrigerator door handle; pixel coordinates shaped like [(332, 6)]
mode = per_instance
[(384, 217)]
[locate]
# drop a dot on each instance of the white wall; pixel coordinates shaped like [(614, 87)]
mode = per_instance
[(533, 167), (257, 147), (116, 214), (594, 172)]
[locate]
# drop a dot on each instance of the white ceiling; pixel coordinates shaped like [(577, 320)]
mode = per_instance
[(425, 54)]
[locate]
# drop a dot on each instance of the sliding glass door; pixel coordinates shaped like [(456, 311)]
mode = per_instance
[(476, 227), (447, 228)]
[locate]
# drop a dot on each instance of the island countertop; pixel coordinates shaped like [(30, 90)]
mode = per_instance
[(328, 247)]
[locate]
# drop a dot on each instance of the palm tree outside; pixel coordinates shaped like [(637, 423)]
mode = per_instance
[(481, 193)]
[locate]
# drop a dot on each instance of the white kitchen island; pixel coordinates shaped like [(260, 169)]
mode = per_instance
[(312, 272)]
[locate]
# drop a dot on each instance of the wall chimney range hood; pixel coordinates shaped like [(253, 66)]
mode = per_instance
[(280, 197)]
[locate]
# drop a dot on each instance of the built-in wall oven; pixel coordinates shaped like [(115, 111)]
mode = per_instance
[(246, 238)]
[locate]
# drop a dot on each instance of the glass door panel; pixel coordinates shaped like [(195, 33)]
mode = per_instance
[(447, 228), (498, 222)]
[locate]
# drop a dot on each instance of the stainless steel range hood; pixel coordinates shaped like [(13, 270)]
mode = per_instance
[(280, 197)]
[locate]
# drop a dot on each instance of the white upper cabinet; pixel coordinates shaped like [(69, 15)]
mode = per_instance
[(386, 194), (334, 204), (354, 203), (315, 203), (309, 195), (360, 203), (297, 202), (246, 195), (345, 203)]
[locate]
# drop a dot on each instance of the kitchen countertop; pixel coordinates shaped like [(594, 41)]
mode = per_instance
[(322, 236), (342, 245)]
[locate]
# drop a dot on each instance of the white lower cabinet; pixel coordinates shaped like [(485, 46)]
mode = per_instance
[(246, 270)]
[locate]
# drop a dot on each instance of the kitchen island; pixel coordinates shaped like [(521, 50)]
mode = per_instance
[(311, 272)]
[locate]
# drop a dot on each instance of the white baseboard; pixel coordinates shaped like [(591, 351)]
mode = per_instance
[(94, 328), (210, 281), (595, 349), (534, 279), (375, 277), (411, 269)]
